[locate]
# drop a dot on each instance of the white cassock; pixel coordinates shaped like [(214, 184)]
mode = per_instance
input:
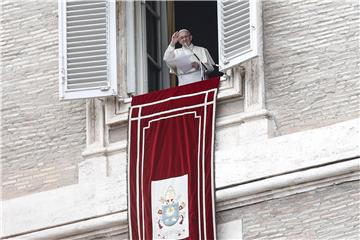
[(193, 75)]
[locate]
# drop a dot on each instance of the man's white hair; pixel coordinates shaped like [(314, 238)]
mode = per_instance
[(184, 30)]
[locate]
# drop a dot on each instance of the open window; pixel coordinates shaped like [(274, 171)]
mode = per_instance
[(154, 22), (87, 41), (228, 29)]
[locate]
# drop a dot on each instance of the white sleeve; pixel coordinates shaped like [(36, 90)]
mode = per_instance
[(208, 61), (169, 53)]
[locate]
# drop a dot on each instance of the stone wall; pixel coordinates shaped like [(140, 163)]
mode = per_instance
[(325, 213), (312, 59), (42, 138)]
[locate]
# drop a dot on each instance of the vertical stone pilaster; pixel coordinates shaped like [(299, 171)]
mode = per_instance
[(95, 129), (94, 167), (254, 85)]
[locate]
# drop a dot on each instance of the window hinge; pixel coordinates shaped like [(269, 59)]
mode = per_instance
[(63, 76), (105, 88)]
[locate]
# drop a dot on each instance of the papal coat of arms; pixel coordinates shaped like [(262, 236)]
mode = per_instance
[(171, 214)]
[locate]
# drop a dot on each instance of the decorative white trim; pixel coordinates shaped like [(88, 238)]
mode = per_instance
[(143, 145), (212, 166), (198, 182), (137, 172), (203, 164), (173, 98), (128, 170), (174, 110)]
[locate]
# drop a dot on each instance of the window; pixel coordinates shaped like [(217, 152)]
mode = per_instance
[(87, 49), (228, 29), (154, 15), (146, 40), (87, 41), (159, 19), (201, 18)]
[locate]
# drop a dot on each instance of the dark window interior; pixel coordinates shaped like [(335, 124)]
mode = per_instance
[(200, 17), (152, 42)]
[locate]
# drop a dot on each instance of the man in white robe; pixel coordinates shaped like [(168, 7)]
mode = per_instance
[(201, 61)]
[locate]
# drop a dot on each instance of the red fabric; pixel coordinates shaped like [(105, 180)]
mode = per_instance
[(171, 134)]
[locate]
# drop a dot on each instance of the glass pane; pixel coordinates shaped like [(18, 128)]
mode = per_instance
[(151, 35), (152, 5), (153, 77)]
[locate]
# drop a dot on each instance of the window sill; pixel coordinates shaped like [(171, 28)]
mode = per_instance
[(230, 87)]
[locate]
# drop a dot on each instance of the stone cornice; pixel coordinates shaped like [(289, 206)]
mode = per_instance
[(227, 198), (287, 184)]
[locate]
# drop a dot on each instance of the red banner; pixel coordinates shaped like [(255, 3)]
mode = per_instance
[(170, 168)]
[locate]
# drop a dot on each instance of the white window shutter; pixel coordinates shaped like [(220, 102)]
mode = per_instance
[(238, 22), (87, 48)]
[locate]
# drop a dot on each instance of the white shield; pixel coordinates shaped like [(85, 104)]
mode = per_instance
[(169, 207)]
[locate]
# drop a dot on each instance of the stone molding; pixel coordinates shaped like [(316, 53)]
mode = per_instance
[(333, 159), (116, 222), (287, 184), (237, 161), (228, 198), (223, 122)]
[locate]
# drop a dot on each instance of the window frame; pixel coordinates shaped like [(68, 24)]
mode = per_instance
[(137, 46), (231, 85)]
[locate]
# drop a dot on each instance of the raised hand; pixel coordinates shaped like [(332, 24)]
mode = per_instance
[(175, 38)]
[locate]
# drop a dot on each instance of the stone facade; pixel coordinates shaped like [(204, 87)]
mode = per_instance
[(330, 212), (312, 59), (42, 138)]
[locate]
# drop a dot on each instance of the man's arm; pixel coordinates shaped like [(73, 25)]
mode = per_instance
[(170, 51), (169, 55)]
